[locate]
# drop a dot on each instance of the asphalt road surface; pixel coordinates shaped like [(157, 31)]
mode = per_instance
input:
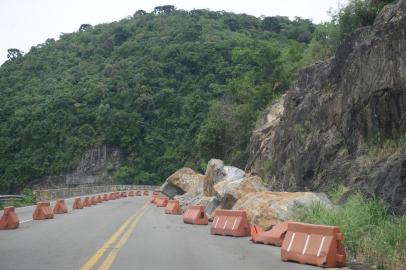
[(129, 233)]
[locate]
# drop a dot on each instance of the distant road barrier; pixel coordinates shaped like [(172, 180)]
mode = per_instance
[(60, 193), (11, 197)]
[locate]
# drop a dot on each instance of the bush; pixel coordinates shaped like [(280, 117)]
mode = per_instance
[(372, 234)]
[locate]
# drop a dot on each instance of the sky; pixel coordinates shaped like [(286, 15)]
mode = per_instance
[(26, 23)]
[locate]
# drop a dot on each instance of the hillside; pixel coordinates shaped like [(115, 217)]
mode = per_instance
[(169, 88)]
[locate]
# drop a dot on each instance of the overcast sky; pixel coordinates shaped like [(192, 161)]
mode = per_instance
[(25, 23)]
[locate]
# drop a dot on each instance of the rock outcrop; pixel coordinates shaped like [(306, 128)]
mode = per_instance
[(345, 119), (95, 167)]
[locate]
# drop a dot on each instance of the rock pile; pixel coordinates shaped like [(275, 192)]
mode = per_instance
[(227, 187)]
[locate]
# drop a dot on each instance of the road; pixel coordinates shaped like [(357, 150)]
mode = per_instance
[(129, 233)]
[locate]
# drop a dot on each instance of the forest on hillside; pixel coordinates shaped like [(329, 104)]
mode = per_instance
[(170, 88)]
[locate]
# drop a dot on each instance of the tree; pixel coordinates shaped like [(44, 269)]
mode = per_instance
[(85, 27), (140, 12), (13, 53), (166, 9)]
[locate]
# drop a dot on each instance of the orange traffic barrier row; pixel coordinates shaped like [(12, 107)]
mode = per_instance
[(77, 204), (112, 196), (86, 202), (153, 199), (93, 200), (230, 223), (274, 236), (131, 193), (196, 215), (60, 207), (173, 207), (9, 219), (313, 244), (42, 211), (161, 202)]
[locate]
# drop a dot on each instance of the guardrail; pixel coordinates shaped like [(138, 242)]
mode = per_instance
[(60, 193), (11, 197)]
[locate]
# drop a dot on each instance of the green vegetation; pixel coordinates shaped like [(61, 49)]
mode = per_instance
[(372, 234), (29, 199), (380, 149), (357, 13), (336, 192), (170, 88)]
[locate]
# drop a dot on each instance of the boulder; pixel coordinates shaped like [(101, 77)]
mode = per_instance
[(215, 172), (229, 192), (182, 181), (212, 205), (189, 198), (266, 209)]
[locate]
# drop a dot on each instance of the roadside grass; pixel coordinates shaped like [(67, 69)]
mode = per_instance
[(372, 234), (29, 199), (377, 150)]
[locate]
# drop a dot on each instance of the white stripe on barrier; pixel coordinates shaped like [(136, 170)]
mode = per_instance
[(305, 246), (321, 246), (217, 221), (225, 224), (235, 221), (291, 241)]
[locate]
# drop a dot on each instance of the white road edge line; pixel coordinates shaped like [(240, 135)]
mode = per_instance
[(24, 221)]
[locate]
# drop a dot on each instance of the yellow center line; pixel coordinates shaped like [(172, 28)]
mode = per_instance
[(113, 254), (99, 253)]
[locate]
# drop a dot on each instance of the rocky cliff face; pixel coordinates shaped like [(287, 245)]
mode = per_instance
[(93, 168), (345, 119)]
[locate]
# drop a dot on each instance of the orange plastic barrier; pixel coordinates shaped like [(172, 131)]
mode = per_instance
[(173, 207), (123, 194), (161, 202), (105, 197), (42, 211), (155, 192), (112, 196), (77, 204), (9, 219), (314, 244), (274, 236), (118, 196), (153, 199), (99, 199), (87, 202), (93, 200), (195, 215), (131, 193), (231, 223), (138, 193), (146, 193), (60, 207)]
